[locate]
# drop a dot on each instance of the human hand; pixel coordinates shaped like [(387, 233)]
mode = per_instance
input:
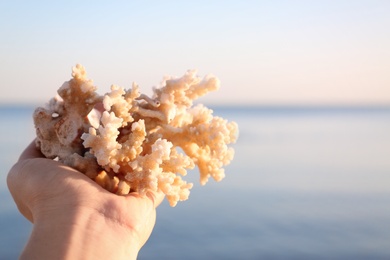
[(73, 217)]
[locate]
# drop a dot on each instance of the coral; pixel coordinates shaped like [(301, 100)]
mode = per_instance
[(129, 142)]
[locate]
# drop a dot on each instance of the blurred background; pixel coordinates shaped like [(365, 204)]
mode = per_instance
[(307, 82)]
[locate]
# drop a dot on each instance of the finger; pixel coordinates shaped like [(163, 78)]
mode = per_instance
[(17, 186), (156, 197), (30, 152)]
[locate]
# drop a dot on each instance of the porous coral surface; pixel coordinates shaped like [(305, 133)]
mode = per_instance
[(129, 142)]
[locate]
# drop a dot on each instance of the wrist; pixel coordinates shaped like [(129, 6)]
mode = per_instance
[(80, 233)]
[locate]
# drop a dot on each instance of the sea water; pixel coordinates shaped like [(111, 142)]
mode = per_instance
[(305, 183)]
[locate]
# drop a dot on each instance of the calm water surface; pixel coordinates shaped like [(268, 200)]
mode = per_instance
[(304, 184)]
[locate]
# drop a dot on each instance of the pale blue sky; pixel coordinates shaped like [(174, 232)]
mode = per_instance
[(264, 52)]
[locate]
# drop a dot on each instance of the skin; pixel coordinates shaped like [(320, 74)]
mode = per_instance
[(73, 217)]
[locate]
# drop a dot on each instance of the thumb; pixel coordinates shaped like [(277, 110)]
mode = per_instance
[(23, 179)]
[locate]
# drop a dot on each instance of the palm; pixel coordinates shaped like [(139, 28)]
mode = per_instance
[(59, 189)]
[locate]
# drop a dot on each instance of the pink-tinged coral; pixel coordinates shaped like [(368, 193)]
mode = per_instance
[(129, 142)]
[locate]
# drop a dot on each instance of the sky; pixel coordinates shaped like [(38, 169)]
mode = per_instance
[(264, 52)]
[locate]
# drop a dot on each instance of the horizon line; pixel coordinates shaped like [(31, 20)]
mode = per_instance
[(242, 105)]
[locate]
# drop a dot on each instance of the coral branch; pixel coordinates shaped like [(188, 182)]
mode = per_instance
[(129, 142)]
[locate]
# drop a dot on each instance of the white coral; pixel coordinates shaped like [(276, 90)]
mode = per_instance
[(138, 143)]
